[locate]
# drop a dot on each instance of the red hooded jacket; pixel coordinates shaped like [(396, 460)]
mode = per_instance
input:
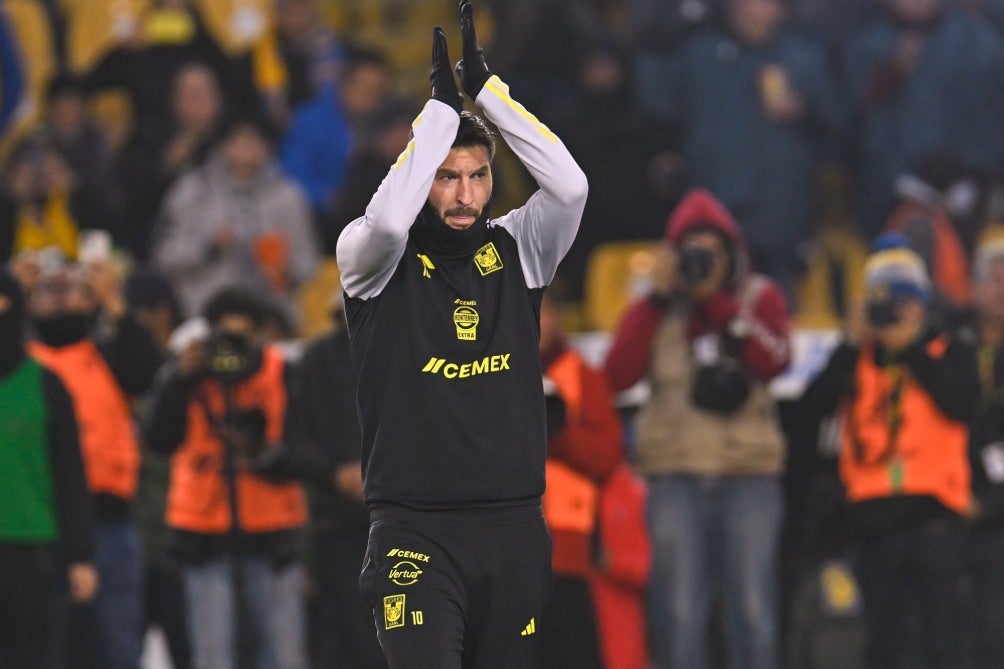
[(765, 351)]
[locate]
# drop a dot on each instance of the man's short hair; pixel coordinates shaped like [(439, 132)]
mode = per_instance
[(356, 57), (237, 301), (148, 288), (248, 120), (473, 131), (64, 84)]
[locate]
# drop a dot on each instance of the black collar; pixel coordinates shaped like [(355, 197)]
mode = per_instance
[(432, 233)]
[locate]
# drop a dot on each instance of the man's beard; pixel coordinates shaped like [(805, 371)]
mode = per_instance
[(461, 211)]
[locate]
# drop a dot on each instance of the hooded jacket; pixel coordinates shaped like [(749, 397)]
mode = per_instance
[(765, 352), (656, 340)]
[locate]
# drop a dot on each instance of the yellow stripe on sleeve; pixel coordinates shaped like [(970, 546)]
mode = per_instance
[(501, 90), (404, 154)]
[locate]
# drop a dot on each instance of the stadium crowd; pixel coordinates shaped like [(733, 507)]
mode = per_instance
[(180, 446)]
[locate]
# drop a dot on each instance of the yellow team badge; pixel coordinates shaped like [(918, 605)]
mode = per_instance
[(393, 611), (466, 318), (426, 265), (840, 590), (487, 259)]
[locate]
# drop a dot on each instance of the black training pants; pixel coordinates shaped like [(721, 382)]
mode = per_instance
[(27, 606), (458, 589)]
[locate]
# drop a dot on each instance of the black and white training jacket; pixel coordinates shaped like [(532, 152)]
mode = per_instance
[(444, 324)]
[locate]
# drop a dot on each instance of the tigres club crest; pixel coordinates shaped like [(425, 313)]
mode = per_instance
[(487, 259), (393, 611)]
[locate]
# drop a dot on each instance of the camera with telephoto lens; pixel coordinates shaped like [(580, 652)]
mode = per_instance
[(696, 264), (231, 357), (883, 313)]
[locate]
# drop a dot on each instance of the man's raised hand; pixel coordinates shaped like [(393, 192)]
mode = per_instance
[(444, 87), (472, 68)]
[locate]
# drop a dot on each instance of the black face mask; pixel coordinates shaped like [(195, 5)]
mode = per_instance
[(65, 329), (11, 323)]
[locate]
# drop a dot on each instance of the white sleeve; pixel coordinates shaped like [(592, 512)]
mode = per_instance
[(370, 247), (545, 227)]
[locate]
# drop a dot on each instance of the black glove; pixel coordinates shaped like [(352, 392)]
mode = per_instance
[(444, 88), (472, 69)]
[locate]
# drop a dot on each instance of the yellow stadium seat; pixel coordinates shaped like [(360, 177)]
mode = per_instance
[(401, 31), (31, 27), (991, 233), (834, 280), (617, 273), (316, 297), (114, 112), (95, 27)]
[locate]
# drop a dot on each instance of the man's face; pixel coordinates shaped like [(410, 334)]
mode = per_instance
[(246, 151), (68, 113), (917, 11), (62, 293), (238, 325), (990, 293), (462, 186), (756, 22), (911, 315), (294, 17), (196, 97), (364, 89)]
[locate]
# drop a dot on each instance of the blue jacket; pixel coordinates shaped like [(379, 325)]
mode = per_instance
[(11, 73), (760, 169), (315, 149), (954, 98)]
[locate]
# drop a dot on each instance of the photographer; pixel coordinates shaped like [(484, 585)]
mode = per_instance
[(708, 339), (905, 392), (221, 409)]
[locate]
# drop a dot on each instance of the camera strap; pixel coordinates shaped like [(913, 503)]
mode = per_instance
[(214, 421), (893, 406)]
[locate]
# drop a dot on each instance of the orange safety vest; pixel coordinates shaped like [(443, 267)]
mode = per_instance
[(198, 500), (618, 590), (569, 500), (108, 441), (895, 440), (571, 496)]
